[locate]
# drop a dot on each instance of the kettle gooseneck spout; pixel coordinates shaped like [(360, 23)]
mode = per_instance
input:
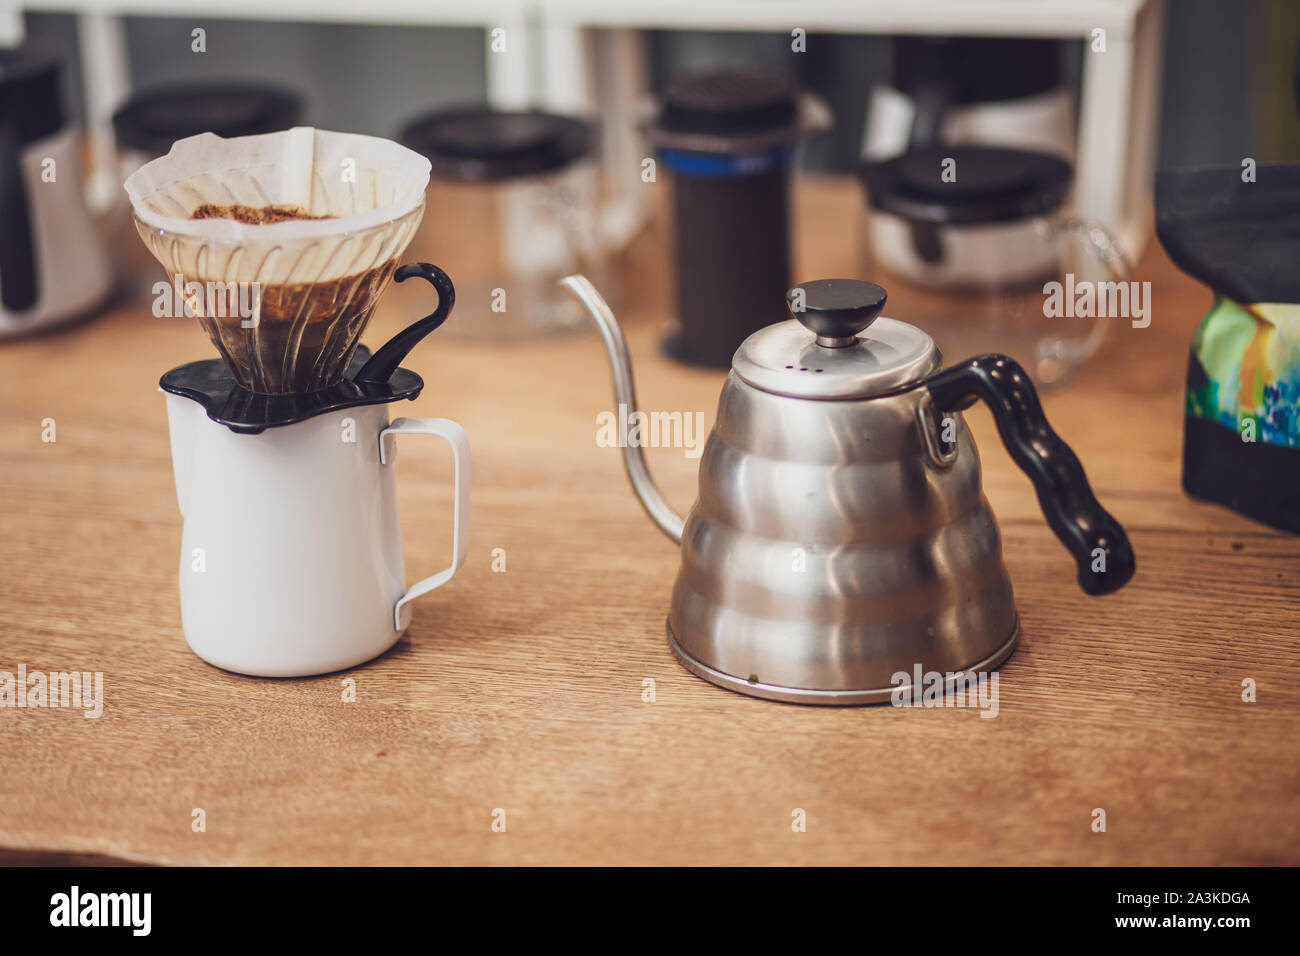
[(620, 364)]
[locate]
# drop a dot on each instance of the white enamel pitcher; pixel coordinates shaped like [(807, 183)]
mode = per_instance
[(291, 554)]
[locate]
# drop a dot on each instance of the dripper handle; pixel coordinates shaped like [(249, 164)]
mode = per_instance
[(384, 363), (1099, 545)]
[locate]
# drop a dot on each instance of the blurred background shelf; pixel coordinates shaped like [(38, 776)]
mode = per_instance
[(552, 49), (1190, 87)]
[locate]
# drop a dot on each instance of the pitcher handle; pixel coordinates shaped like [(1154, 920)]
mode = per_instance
[(1071, 509), (455, 436)]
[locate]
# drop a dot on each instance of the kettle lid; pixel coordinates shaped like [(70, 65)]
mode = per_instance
[(837, 346)]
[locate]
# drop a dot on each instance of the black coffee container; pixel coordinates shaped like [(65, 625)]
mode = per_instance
[(728, 140)]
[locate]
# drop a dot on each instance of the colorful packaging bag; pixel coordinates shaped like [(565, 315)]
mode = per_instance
[(1240, 237)]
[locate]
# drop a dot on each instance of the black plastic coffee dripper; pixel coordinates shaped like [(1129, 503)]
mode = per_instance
[(370, 379)]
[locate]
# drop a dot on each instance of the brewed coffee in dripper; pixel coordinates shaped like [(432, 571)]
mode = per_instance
[(297, 238)]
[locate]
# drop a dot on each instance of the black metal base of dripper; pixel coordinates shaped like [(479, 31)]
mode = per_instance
[(210, 383)]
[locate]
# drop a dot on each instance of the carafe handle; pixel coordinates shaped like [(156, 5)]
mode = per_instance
[(1099, 545), (18, 290)]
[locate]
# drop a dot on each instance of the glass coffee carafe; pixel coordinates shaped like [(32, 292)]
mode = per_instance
[(984, 256), (513, 205)]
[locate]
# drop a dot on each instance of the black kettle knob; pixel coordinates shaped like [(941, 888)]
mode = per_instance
[(836, 310)]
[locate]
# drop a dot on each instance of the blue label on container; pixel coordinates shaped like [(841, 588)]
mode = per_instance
[(724, 165)]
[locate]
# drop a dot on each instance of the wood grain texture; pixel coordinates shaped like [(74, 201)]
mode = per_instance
[(522, 690)]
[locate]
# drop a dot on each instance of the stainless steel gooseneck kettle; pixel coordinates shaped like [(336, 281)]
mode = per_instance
[(840, 537)]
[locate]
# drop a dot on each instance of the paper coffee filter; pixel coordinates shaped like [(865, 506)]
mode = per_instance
[(292, 298), (372, 188)]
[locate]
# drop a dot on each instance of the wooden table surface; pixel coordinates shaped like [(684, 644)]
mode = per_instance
[(523, 690)]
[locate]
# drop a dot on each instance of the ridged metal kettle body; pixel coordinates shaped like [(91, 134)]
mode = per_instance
[(827, 552)]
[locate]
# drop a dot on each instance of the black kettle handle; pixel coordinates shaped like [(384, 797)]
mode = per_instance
[(1071, 509), (384, 363)]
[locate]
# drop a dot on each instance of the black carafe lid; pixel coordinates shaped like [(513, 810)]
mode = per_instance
[(990, 184), (154, 119), (210, 383), (478, 143)]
